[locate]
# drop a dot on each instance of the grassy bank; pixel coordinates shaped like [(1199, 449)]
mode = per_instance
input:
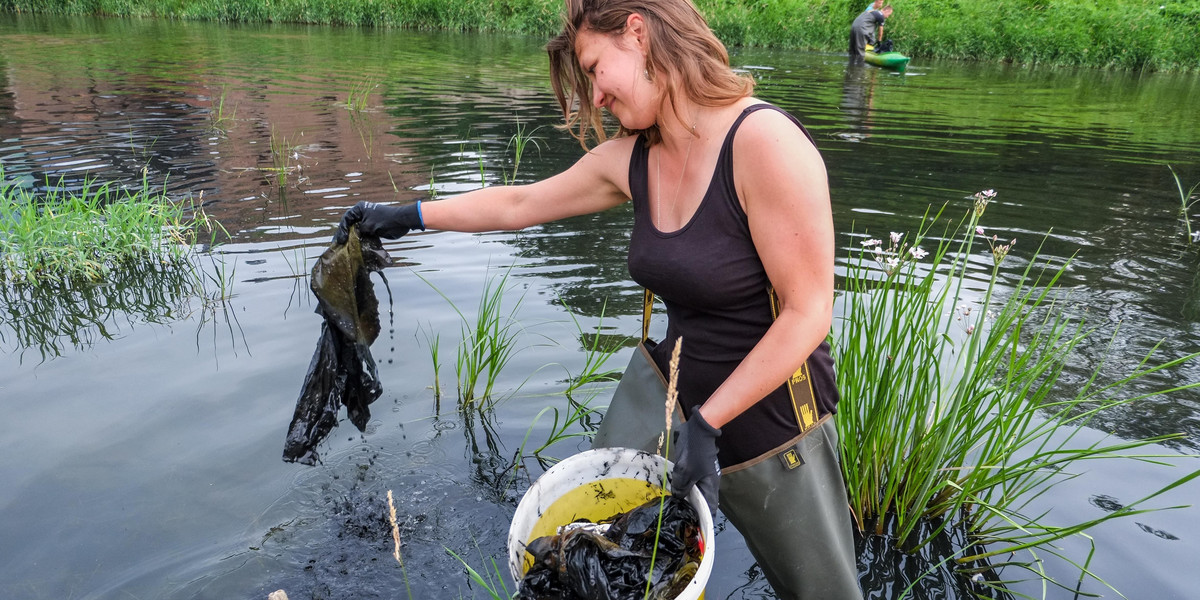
[(1125, 34)]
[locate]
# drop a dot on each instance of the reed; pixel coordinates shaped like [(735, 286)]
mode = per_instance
[(282, 155), (491, 580), (954, 408), (396, 542), (597, 350), (664, 446), (488, 339), (1187, 199), (517, 144), (219, 119), (84, 234), (359, 95), (572, 423), (433, 342), (215, 285)]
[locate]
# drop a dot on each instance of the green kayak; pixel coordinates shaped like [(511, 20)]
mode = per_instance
[(888, 60)]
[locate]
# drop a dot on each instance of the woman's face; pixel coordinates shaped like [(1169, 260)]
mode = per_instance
[(616, 66)]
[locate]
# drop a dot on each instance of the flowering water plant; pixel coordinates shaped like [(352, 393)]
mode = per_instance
[(954, 415)]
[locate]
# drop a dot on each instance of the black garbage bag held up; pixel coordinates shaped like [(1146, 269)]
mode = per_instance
[(342, 371)]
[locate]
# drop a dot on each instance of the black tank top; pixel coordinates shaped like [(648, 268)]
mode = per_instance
[(713, 283)]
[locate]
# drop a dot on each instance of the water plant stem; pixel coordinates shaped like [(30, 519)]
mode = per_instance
[(1187, 199), (488, 339), (665, 446)]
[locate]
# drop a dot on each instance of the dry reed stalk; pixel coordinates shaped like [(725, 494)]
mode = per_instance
[(672, 391), (395, 528)]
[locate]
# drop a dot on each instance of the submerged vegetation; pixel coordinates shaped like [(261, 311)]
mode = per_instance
[(957, 412), (1125, 34)]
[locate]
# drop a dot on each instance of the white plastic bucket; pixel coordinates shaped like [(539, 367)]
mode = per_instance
[(595, 485)]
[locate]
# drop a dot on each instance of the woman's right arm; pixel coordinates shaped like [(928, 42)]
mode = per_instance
[(597, 181)]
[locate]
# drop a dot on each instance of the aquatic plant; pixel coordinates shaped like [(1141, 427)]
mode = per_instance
[(568, 424), (283, 152), (954, 412), (359, 94), (488, 339), (215, 286), (433, 342), (218, 118), (1187, 199), (84, 234), (517, 144), (492, 582), (597, 350)]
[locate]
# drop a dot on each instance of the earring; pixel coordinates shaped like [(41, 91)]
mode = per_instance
[(646, 74)]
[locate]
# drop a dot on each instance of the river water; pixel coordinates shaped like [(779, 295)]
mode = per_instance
[(143, 430)]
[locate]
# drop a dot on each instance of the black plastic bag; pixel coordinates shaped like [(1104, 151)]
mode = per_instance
[(582, 563), (342, 371)]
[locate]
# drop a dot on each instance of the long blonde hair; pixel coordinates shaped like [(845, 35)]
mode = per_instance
[(681, 50)]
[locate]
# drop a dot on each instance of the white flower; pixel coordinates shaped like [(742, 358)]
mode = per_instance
[(892, 262), (917, 252), (896, 237), (989, 194), (872, 242), (979, 230)]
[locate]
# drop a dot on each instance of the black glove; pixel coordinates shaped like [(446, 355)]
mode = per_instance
[(378, 220), (695, 449)]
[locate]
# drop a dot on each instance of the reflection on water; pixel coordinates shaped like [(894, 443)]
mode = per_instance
[(56, 317), (201, 505)]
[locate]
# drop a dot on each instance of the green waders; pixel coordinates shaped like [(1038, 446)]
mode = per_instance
[(789, 505), (791, 509)]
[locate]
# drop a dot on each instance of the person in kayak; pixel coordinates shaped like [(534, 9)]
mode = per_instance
[(730, 200), (867, 28)]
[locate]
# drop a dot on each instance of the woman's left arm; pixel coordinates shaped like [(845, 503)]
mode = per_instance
[(782, 185)]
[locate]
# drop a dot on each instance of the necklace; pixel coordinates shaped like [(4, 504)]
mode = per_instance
[(658, 178)]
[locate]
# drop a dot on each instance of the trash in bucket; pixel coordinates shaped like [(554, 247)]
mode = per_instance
[(629, 558), (594, 486)]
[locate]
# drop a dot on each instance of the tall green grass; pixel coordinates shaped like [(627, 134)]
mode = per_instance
[(1127, 34), (85, 234), (955, 410)]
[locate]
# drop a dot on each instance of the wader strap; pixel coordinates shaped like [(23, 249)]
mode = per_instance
[(799, 385), (788, 445), (647, 308)]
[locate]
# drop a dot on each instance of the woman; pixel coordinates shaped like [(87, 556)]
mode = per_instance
[(730, 199)]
